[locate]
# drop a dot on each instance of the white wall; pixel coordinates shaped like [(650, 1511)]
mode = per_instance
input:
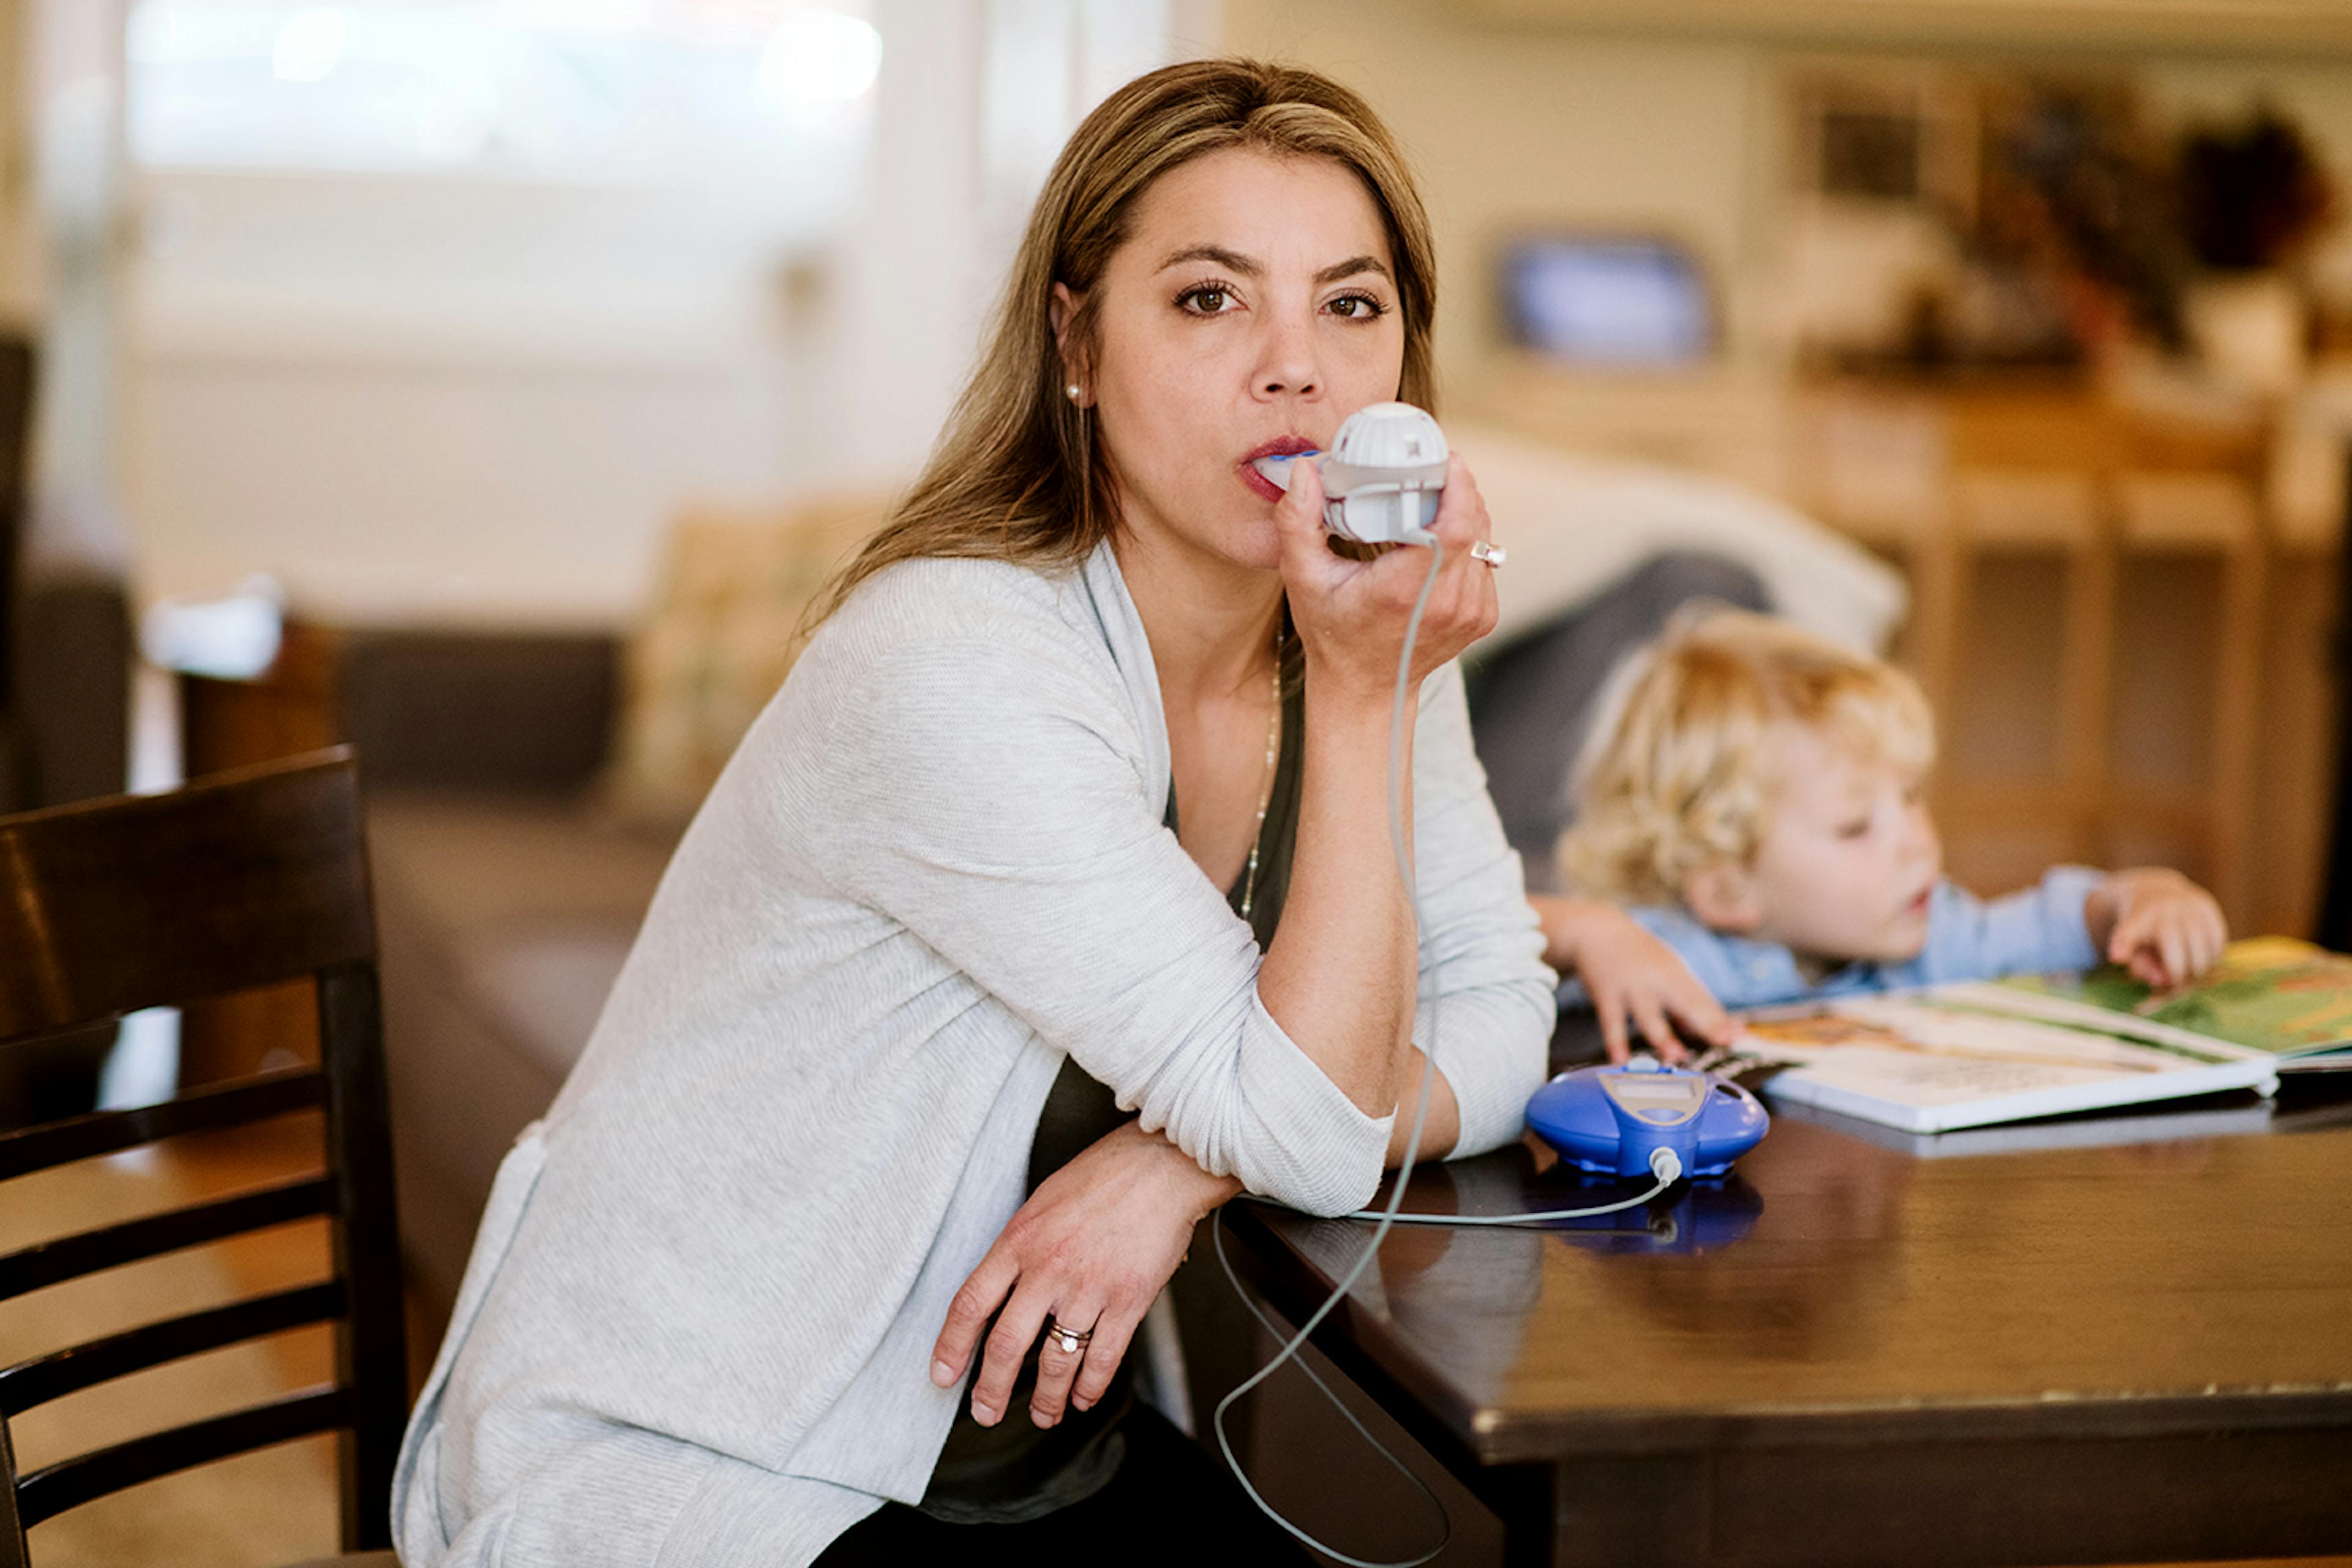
[(429, 398), (491, 408), (19, 234), (902, 297), (492, 488)]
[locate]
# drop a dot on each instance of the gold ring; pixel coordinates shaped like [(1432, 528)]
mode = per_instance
[(1071, 1339)]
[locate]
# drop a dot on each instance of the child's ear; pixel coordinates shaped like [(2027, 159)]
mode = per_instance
[(1723, 897)]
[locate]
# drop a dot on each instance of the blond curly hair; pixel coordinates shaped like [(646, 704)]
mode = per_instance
[(1677, 773)]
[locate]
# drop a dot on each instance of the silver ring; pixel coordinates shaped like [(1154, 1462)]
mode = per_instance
[(1492, 554), (1071, 1339)]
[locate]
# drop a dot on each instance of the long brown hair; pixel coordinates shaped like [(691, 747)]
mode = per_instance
[(1018, 473)]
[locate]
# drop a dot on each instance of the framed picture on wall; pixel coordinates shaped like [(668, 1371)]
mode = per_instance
[(1601, 298)]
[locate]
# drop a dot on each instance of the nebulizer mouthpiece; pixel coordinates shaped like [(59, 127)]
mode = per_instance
[(1382, 477)]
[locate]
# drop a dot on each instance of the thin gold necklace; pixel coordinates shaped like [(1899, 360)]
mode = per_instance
[(1265, 785)]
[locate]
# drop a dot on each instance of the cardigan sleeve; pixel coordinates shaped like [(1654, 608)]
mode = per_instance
[(988, 795), (1485, 993)]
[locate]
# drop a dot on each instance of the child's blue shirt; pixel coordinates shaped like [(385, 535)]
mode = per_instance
[(1969, 938)]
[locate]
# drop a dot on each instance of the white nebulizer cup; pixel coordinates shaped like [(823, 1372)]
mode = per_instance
[(1382, 477)]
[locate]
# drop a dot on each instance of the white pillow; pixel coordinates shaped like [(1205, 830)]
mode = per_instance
[(1574, 524)]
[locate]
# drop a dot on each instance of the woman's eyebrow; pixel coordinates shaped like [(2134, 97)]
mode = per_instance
[(1350, 268), (1234, 261), (1231, 260)]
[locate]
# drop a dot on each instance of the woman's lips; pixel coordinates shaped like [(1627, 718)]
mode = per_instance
[(1281, 446), (1259, 485)]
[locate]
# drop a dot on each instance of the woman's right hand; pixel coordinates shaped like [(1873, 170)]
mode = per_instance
[(1351, 615), (1631, 976), (1091, 1249)]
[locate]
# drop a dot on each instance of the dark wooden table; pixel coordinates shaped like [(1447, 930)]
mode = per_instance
[(1863, 1348)]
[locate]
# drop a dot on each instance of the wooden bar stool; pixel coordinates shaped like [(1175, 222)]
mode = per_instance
[(243, 880)]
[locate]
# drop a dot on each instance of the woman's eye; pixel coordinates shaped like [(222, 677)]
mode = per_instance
[(1206, 300), (1356, 307)]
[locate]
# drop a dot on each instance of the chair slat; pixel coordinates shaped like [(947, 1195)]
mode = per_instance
[(238, 881), (67, 1257), (72, 1482), (12, 1529), (37, 1380), (254, 1098)]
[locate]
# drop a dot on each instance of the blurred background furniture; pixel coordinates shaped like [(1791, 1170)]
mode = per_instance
[(2125, 651), (248, 879), (65, 669), (16, 423)]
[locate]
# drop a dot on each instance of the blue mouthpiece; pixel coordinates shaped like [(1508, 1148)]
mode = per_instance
[(1278, 470)]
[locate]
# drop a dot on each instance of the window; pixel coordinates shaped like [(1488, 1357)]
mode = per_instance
[(769, 93)]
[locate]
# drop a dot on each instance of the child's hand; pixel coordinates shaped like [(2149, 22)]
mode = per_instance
[(1630, 975), (2157, 923)]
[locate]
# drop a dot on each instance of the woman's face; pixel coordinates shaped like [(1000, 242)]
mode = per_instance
[(1252, 309)]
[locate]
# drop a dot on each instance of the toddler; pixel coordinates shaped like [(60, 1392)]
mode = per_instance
[(1750, 828)]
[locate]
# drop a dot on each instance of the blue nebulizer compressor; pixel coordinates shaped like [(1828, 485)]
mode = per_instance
[(1612, 1120)]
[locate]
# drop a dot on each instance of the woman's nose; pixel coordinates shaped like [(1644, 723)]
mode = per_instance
[(1288, 367)]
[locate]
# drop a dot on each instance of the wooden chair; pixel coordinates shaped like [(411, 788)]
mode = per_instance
[(242, 880), (16, 383)]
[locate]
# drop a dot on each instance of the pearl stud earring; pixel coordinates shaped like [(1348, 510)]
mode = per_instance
[(1074, 392)]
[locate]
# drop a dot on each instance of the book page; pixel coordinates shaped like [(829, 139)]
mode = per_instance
[(1924, 1051), (2272, 994)]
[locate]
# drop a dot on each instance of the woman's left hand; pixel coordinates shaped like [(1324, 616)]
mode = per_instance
[(1091, 1247), (1351, 615)]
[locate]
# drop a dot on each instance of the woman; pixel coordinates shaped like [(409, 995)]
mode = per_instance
[(942, 941)]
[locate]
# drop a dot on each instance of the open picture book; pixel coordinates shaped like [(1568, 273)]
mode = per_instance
[(1979, 1054), (2274, 994)]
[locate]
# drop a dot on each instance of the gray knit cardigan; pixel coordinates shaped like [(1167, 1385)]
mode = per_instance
[(697, 1323)]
